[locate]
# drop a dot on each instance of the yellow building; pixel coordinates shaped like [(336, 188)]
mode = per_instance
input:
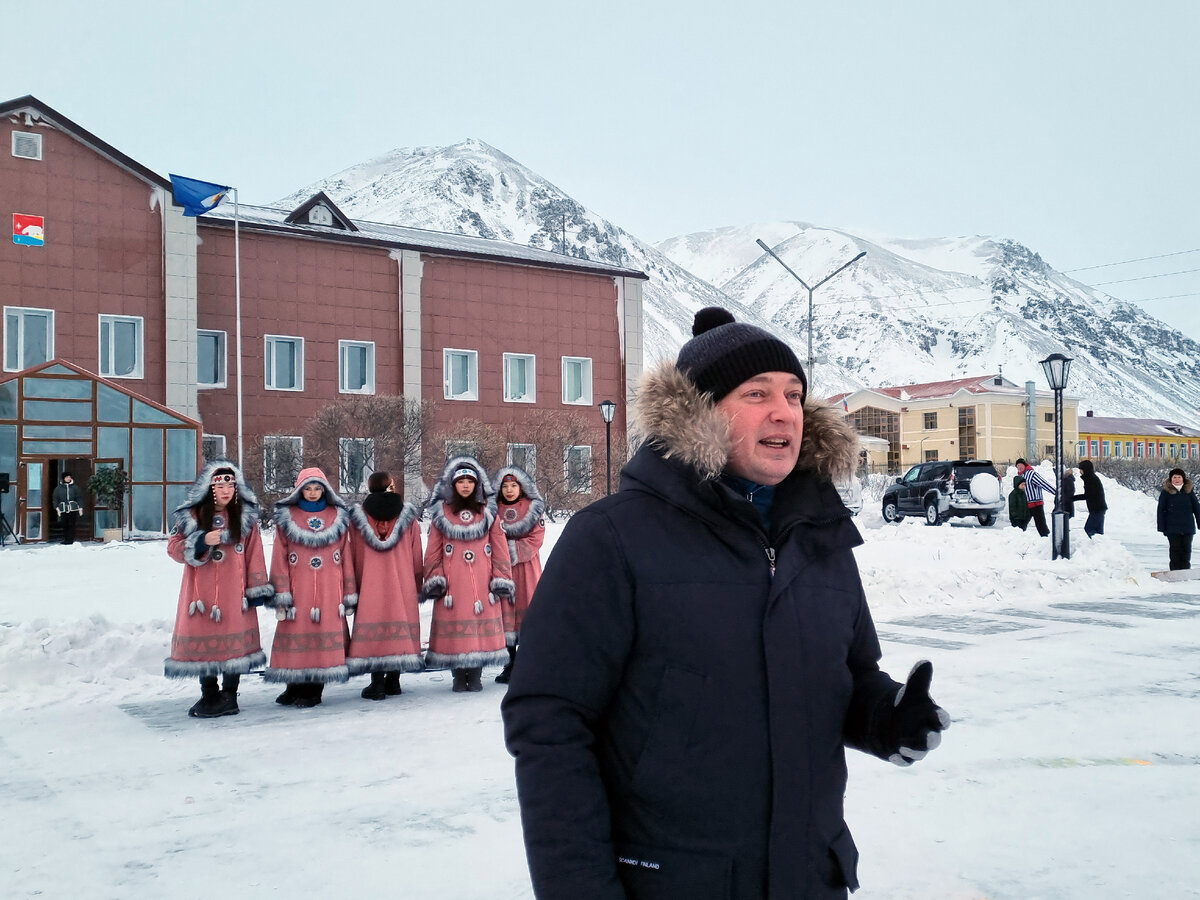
[(985, 417), (1101, 437)]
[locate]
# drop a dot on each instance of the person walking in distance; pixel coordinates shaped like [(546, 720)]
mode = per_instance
[(699, 650), (467, 574), (1178, 515), (214, 533), (520, 508), (386, 544), (1035, 489), (68, 503), (1093, 496)]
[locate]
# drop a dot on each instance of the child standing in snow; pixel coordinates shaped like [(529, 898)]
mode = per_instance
[(519, 507), (215, 534), (313, 574), (1018, 507), (386, 544), (467, 573)]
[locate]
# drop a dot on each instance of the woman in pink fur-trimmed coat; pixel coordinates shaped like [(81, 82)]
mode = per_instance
[(215, 534), (467, 573), (386, 542), (519, 507), (312, 571)]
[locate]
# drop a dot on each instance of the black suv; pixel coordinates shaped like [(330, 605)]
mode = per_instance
[(940, 490)]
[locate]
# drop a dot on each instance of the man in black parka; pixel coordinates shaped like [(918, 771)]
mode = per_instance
[(699, 651)]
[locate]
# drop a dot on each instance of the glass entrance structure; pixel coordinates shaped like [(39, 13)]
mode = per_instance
[(58, 417)]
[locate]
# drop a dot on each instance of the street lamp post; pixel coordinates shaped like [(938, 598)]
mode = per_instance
[(810, 290), (607, 410), (1057, 367)]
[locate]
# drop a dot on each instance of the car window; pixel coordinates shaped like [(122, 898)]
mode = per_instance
[(911, 475)]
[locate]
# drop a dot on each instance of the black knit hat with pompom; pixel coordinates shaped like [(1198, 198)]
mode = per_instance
[(723, 353)]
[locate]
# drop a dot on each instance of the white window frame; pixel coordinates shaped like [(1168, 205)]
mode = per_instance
[(20, 312), (530, 457), (222, 358), (343, 347), (214, 437), (368, 464), (139, 351), (585, 376), (269, 341), (270, 481), (574, 489), (530, 396), (472, 391), (37, 139)]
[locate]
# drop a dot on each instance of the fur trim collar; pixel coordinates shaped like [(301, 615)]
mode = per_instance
[(359, 517), (672, 415), (185, 523), (1170, 488), (537, 506), (287, 524), (457, 531)]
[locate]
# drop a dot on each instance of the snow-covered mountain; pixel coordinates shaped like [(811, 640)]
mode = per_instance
[(473, 188), (927, 310), (910, 311)]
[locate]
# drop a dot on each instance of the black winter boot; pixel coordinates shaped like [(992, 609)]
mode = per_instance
[(506, 673), (209, 698), (311, 695), (376, 690), (473, 682), (391, 684), (290, 695), (460, 681)]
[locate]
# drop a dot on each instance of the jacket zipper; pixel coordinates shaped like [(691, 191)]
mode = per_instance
[(770, 558)]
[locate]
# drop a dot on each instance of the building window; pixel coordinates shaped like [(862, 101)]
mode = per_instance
[(1129, 448), (1049, 417), (213, 447), (520, 385), (522, 455), (284, 358), (283, 456), (1171, 450), (1150, 449), (577, 380), (577, 469), (28, 337), (1162, 450), (1105, 449), (931, 456), (121, 346), (210, 347), (460, 374), (356, 367), (1141, 449), (1080, 449), (1116, 449), (356, 462), (1195, 450), (1049, 451), (1093, 448), (26, 145), (930, 421)]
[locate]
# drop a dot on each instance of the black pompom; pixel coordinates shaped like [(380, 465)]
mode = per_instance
[(710, 317)]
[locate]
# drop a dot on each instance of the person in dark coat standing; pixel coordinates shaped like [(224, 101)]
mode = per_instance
[(1018, 508), (699, 651), (1068, 492), (68, 503), (1178, 515), (1093, 495)]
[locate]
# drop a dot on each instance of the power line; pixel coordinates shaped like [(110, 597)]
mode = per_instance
[(1127, 261), (1144, 277)]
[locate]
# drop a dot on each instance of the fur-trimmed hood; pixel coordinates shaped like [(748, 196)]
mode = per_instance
[(1170, 488), (358, 516), (443, 491), (306, 477), (672, 415), (296, 534), (537, 505), (199, 490)]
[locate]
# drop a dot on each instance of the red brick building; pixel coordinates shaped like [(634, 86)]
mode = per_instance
[(105, 273)]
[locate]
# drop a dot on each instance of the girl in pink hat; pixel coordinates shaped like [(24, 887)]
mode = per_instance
[(215, 534), (467, 573), (313, 574), (386, 543), (520, 508)]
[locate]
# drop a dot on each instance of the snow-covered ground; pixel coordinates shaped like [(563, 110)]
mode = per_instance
[(1071, 770)]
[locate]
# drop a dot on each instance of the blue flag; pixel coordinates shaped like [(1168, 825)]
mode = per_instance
[(197, 197)]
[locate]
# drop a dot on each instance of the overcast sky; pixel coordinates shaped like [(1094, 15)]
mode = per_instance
[(1068, 126)]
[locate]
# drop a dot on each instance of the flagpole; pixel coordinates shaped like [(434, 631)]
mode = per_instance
[(237, 288)]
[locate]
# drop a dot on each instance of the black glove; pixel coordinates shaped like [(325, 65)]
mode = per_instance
[(915, 723), (435, 591)]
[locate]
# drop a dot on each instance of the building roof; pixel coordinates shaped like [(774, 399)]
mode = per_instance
[(933, 390), (359, 232), (1138, 427)]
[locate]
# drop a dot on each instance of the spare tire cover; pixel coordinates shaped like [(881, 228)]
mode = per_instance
[(985, 488)]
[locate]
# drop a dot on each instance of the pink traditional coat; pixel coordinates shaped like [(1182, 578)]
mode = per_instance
[(523, 526), (216, 622), (466, 558), (388, 569), (312, 571)]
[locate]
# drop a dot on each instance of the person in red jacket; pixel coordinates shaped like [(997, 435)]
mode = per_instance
[(468, 573), (215, 535), (313, 574), (385, 541), (520, 508)]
